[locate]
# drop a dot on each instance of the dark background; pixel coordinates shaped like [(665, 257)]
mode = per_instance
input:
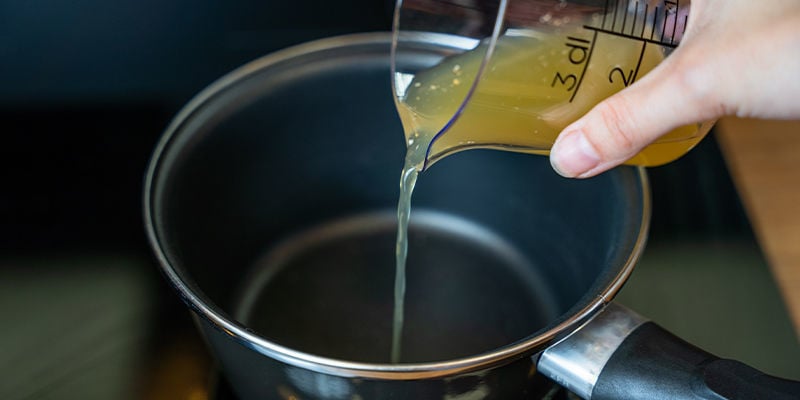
[(86, 88)]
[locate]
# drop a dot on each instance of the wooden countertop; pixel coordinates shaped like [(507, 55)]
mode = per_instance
[(764, 160)]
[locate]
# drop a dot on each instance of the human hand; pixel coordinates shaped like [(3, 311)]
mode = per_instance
[(737, 57)]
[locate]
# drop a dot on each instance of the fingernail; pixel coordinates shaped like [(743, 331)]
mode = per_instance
[(572, 155)]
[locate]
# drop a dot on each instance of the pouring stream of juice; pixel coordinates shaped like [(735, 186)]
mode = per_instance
[(528, 92)]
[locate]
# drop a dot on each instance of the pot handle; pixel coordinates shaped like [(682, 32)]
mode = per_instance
[(620, 355)]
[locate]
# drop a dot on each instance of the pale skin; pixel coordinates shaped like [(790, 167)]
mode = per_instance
[(738, 57)]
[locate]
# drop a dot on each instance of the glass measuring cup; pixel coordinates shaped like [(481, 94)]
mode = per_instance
[(528, 68)]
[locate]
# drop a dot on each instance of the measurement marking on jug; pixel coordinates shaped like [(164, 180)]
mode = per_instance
[(627, 80), (644, 23), (639, 63), (674, 24), (653, 24), (685, 23), (580, 53), (671, 8), (627, 36), (624, 20), (581, 49)]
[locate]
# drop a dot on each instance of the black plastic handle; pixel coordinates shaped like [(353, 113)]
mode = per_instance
[(652, 363)]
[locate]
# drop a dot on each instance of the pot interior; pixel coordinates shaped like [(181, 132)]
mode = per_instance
[(273, 201)]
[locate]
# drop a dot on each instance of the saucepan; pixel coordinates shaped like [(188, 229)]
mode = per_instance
[(270, 201)]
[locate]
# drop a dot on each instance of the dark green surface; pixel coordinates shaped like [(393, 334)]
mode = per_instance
[(719, 296), (74, 327)]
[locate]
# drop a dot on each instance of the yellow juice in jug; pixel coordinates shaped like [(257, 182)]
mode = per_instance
[(533, 86)]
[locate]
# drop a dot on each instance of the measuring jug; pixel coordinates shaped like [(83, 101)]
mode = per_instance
[(525, 69)]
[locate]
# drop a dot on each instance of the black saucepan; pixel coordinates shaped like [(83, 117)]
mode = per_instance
[(270, 205)]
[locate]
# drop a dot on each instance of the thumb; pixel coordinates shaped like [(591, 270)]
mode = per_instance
[(619, 127)]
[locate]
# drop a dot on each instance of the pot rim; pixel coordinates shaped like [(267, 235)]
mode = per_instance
[(209, 312)]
